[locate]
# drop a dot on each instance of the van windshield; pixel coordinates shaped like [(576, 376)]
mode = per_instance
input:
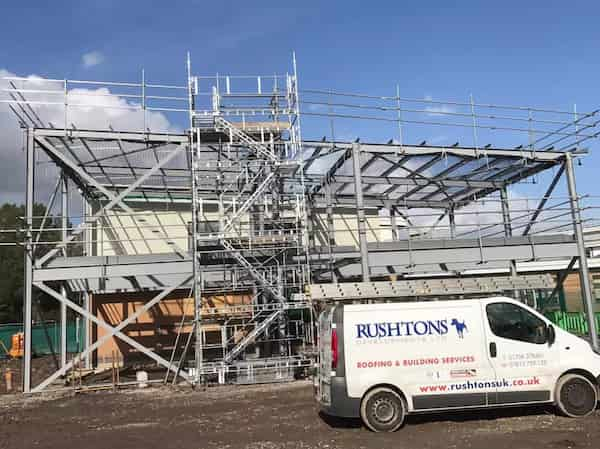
[(515, 323)]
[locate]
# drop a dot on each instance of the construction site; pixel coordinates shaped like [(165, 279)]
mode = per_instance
[(203, 255)]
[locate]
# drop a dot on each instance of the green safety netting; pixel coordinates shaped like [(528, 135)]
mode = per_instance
[(43, 341), (574, 322)]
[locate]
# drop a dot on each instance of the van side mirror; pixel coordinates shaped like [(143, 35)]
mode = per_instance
[(550, 334)]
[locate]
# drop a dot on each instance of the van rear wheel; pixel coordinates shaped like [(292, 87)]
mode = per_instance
[(576, 396), (383, 410)]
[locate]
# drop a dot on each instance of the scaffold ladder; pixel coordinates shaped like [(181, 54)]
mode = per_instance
[(251, 336), (225, 126)]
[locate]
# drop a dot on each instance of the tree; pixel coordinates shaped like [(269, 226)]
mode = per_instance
[(12, 252)]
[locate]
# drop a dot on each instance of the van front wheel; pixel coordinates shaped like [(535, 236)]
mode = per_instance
[(576, 396), (383, 410)]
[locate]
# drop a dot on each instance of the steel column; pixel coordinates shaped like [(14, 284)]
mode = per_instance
[(452, 222), (505, 212), (393, 223), (360, 212), (64, 184), (28, 275), (87, 298), (87, 305), (310, 225), (330, 231), (116, 331), (508, 230), (584, 273)]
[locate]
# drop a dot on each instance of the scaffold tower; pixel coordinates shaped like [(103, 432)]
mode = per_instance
[(247, 228)]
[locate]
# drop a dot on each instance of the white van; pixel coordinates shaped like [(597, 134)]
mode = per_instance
[(384, 361)]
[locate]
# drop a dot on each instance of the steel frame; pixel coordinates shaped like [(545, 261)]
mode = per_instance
[(270, 213)]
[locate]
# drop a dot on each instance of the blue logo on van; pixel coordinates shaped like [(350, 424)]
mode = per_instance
[(460, 327), (409, 328)]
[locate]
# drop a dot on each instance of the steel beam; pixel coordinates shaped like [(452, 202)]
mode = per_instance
[(112, 135), (380, 201), (363, 167), (435, 180), (115, 331), (392, 168), (468, 192), (458, 251), (544, 199), (418, 182), (417, 150), (332, 170), (310, 160), (584, 273), (418, 174), (360, 212), (111, 267), (560, 279), (519, 175), (114, 199)]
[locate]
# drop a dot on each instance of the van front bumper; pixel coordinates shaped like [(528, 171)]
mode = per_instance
[(340, 403)]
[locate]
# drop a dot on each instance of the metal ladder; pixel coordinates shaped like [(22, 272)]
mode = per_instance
[(251, 336), (249, 201), (225, 126), (252, 270)]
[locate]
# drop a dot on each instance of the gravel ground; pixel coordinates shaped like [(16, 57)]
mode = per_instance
[(41, 367), (267, 416)]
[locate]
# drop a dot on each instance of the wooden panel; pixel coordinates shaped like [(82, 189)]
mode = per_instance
[(573, 296), (156, 328)]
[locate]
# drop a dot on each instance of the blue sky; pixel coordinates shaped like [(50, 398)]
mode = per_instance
[(525, 52), (545, 51)]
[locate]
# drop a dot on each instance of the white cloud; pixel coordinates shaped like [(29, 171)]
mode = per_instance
[(98, 109), (316, 107), (92, 59), (12, 159), (481, 217), (437, 109)]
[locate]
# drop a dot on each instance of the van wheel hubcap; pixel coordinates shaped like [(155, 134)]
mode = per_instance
[(577, 397), (383, 410), (575, 394)]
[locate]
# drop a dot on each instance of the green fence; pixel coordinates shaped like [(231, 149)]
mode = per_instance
[(574, 322), (43, 341)]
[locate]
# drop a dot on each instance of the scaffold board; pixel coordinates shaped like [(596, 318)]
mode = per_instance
[(428, 287)]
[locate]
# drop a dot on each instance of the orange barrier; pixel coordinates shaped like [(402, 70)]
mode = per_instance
[(17, 345), (8, 379)]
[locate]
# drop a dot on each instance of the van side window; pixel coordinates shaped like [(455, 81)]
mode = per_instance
[(515, 323)]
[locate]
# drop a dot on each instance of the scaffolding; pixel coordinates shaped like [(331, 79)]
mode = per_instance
[(249, 225)]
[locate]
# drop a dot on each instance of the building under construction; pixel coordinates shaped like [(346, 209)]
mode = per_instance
[(201, 253)]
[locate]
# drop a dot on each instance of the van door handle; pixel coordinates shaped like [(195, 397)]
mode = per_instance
[(493, 350)]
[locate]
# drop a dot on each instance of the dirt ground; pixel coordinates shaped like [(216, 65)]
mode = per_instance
[(41, 367), (265, 417)]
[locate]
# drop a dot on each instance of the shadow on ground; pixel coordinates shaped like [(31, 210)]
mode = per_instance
[(453, 416)]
